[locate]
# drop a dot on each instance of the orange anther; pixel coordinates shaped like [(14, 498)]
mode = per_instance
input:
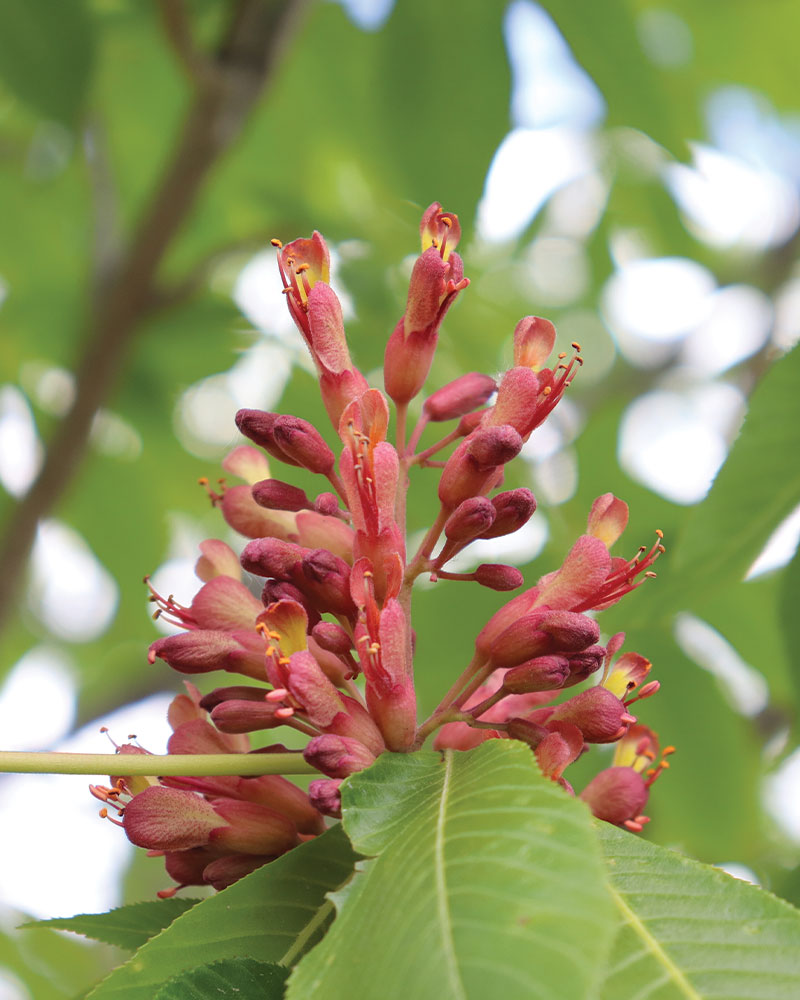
[(576, 345), (445, 221), (667, 751), (276, 243), (202, 481), (659, 532)]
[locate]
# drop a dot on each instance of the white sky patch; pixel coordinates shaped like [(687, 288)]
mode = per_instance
[(20, 447), (11, 988), (787, 315), (37, 700), (730, 203), (71, 592), (780, 795), (549, 86), (674, 442), (743, 685), (743, 123), (115, 437), (38, 808), (369, 15), (555, 478), (665, 38), (576, 209), (738, 324), (660, 299), (204, 414), (780, 548), (528, 167), (554, 271)]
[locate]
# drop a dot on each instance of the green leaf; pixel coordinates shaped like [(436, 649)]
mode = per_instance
[(790, 620), (757, 487), (273, 915), (240, 979), (46, 54), (127, 926), (486, 883), (690, 932)]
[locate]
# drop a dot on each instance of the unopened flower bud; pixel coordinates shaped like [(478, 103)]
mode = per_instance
[(491, 446), (332, 637), (600, 715), (512, 509), (498, 576), (325, 796), (304, 444), (326, 579), (203, 650), (584, 664), (328, 504), (272, 558), (545, 673), (337, 756), (469, 520), (251, 828), (459, 397), (258, 425), (240, 692), (217, 559), (274, 494), (541, 633), (616, 795), (234, 715), (562, 745)]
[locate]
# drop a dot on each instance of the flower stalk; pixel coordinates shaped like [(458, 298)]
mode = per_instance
[(186, 765)]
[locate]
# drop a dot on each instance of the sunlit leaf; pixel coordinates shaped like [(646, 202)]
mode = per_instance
[(273, 915), (688, 932), (484, 881)]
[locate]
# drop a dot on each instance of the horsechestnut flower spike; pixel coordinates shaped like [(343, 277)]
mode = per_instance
[(314, 615)]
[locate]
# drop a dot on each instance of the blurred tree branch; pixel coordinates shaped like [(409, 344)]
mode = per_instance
[(226, 85)]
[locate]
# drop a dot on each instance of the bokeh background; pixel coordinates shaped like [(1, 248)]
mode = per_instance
[(630, 169)]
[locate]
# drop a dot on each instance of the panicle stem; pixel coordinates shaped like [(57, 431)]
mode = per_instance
[(182, 764)]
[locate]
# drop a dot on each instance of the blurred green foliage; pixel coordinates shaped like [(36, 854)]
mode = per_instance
[(355, 133)]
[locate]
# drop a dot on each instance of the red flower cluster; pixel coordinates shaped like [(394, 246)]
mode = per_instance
[(327, 647)]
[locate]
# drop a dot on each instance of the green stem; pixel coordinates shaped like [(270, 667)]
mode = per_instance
[(183, 764)]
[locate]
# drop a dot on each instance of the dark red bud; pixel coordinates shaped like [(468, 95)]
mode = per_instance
[(337, 756), (616, 795), (258, 425), (545, 673), (242, 692), (274, 494), (304, 444), (332, 637), (498, 576), (244, 716), (328, 503), (469, 520), (326, 580), (513, 509), (491, 446), (459, 397), (599, 714), (272, 557), (541, 633), (325, 796), (584, 664)]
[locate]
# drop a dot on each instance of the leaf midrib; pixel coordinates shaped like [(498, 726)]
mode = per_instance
[(443, 908), (651, 943)]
